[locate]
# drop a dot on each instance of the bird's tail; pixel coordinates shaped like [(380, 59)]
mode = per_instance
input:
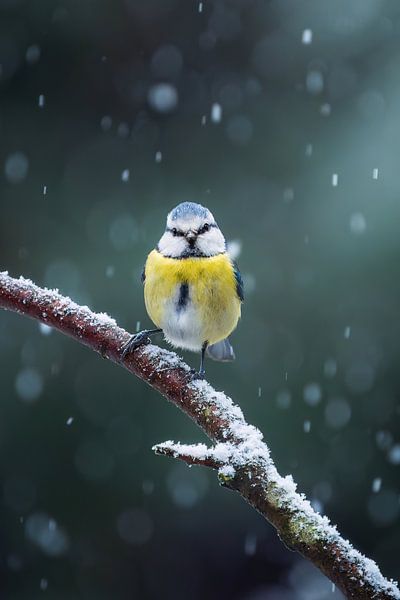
[(221, 351)]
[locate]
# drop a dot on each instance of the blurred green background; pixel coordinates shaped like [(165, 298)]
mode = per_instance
[(283, 117)]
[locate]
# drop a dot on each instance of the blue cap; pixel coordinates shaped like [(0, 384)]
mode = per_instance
[(189, 209)]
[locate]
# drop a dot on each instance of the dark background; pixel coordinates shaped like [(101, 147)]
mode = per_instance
[(90, 94)]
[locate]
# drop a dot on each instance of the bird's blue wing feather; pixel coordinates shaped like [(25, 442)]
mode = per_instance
[(143, 275), (239, 282)]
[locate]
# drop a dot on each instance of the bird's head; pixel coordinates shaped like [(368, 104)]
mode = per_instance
[(191, 231)]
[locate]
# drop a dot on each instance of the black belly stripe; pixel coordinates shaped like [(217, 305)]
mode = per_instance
[(183, 296)]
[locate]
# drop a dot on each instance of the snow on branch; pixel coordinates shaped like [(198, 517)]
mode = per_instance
[(239, 453), (191, 454)]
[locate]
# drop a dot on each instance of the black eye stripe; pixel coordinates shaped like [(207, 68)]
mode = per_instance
[(175, 231), (206, 227)]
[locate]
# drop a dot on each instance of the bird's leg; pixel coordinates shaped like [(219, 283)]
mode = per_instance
[(201, 373), (139, 339), (202, 370)]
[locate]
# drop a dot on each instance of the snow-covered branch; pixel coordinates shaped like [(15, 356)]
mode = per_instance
[(239, 454), (191, 454)]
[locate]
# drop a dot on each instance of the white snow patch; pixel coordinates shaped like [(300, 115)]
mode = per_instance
[(164, 359), (394, 454), (307, 37), (312, 393), (216, 113), (234, 248), (163, 97), (45, 329), (16, 167), (196, 451), (227, 471), (125, 175), (376, 485)]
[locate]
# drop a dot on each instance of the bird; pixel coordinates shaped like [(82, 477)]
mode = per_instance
[(193, 290)]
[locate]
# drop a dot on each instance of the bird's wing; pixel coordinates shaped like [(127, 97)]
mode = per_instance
[(239, 282), (143, 275)]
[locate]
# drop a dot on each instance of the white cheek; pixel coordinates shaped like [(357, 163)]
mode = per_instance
[(212, 242), (170, 245)]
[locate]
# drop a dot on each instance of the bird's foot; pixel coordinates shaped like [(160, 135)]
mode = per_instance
[(139, 339), (197, 375)]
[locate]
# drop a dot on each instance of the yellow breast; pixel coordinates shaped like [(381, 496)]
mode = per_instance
[(213, 308)]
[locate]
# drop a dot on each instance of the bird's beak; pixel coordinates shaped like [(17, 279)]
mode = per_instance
[(191, 236)]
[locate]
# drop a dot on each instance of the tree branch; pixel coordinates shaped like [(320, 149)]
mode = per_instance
[(193, 454), (241, 457)]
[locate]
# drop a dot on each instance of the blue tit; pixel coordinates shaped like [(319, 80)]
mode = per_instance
[(193, 291)]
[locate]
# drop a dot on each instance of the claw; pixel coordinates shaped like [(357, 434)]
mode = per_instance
[(197, 375), (139, 339)]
